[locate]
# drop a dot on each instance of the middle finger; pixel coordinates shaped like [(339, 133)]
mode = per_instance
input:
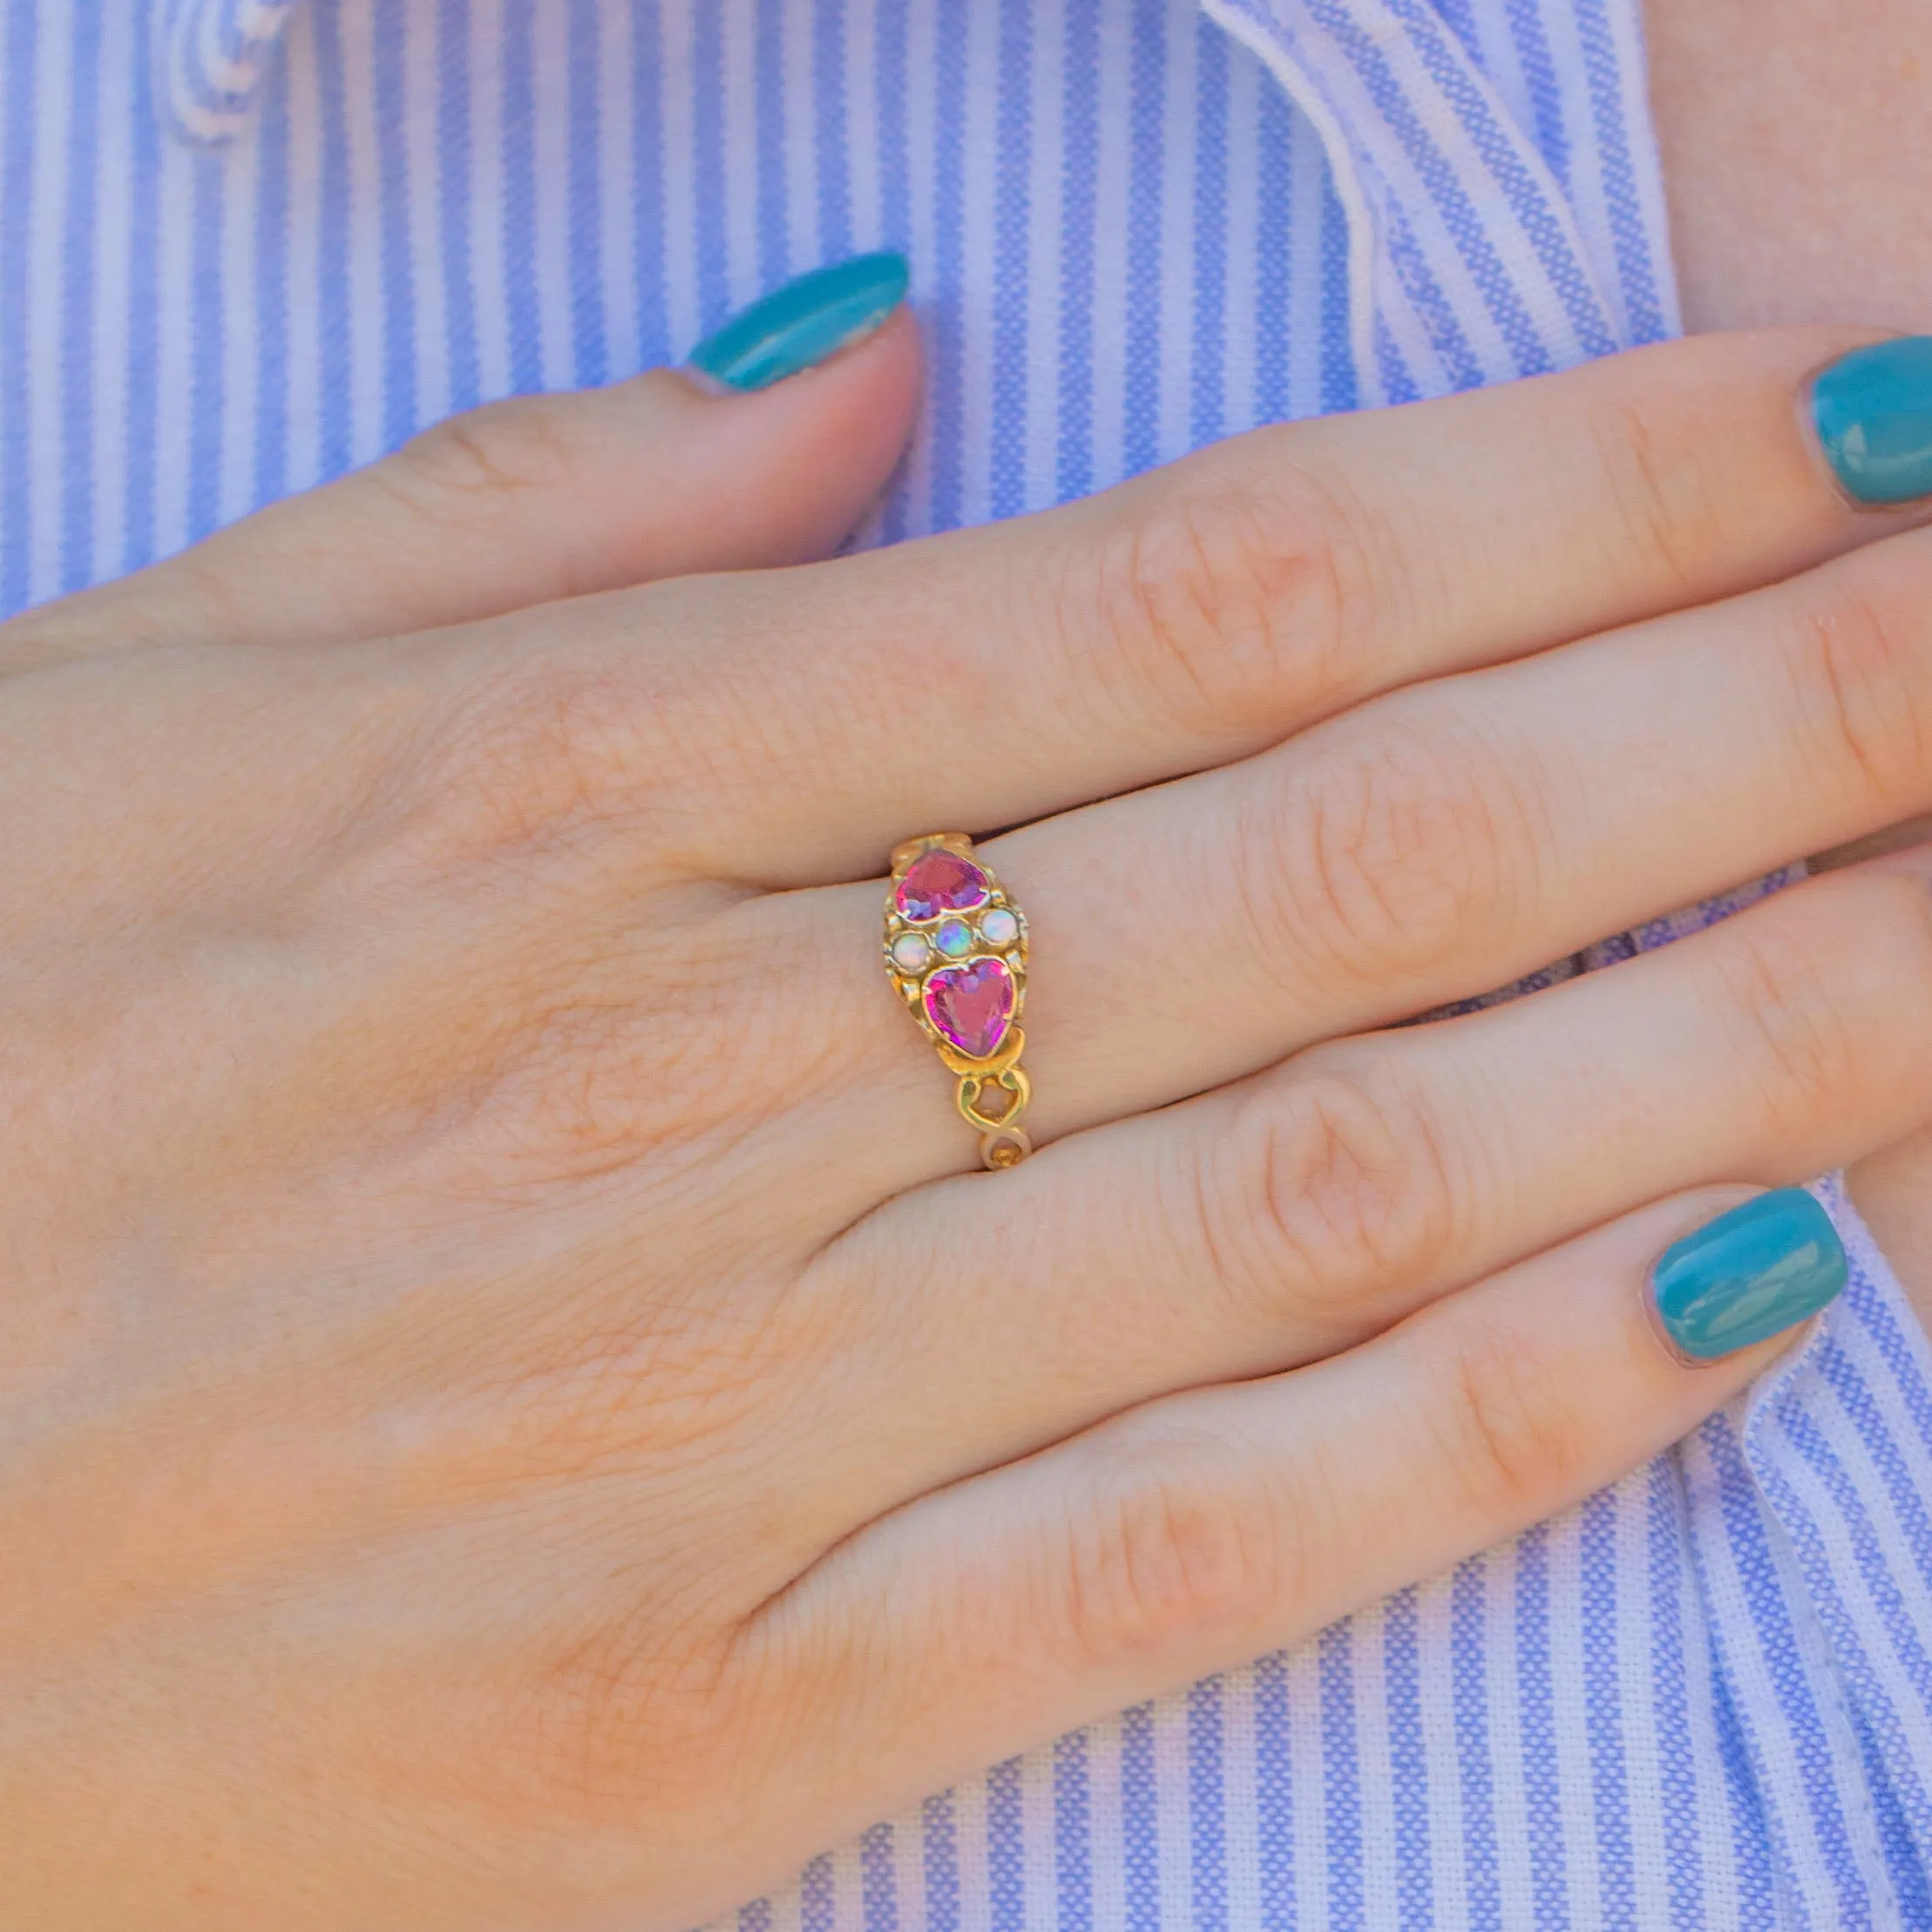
[(1201, 613)]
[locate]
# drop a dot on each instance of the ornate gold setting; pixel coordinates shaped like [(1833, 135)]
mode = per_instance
[(995, 1078)]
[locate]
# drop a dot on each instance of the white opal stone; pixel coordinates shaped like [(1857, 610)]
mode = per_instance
[(910, 951), (999, 927)]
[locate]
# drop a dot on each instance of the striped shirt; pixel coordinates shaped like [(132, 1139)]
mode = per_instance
[(245, 244)]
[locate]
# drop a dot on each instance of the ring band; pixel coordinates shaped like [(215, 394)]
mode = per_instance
[(956, 948)]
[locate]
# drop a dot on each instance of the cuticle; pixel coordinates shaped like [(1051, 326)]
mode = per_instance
[(704, 381), (1660, 1328)]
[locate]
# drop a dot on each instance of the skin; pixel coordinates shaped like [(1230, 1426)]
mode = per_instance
[(521, 1412), (1800, 174), (1801, 190), (517, 1412)]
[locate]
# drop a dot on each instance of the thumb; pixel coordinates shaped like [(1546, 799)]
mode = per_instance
[(542, 497)]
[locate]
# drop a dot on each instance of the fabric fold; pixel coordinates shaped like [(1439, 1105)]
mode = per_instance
[(210, 56), (1469, 263)]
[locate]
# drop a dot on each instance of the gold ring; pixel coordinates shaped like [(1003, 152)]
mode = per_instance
[(956, 948)]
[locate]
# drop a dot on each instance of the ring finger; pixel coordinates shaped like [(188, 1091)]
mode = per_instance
[(1430, 845)]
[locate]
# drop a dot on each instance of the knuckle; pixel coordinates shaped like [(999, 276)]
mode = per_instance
[(1171, 1549), (503, 452), (1336, 1192), (573, 1077), (1229, 594), (1665, 512), (566, 1099), (538, 747), (1386, 847), (1517, 1439), (1856, 667), (636, 1713), (1799, 1046)]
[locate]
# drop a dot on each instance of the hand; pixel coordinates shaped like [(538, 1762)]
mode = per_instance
[(516, 1414)]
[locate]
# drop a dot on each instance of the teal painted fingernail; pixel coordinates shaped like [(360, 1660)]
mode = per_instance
[(1874, 411), (804, 322), (1748, 1275)]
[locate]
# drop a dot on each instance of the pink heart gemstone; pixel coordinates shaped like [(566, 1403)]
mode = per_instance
[(971, 1005), (940, 881)]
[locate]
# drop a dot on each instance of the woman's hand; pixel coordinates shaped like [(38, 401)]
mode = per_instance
[(515, 1415)]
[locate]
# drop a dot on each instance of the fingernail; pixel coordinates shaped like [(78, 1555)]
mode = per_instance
[(1873, 412), (804, 322), (1749, 1275)]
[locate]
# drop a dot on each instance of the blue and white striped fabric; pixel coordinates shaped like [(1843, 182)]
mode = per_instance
[(245, 244)]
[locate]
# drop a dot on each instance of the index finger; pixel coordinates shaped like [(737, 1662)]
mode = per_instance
[(1202, 611)]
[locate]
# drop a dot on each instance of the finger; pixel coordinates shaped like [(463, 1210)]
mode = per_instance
[(1195, 615), (526, 501), (1196, 1532), (1437, 843), (1276, 1223)]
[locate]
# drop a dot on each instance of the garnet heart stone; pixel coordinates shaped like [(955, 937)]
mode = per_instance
[(971, 1005), (940, 881)]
